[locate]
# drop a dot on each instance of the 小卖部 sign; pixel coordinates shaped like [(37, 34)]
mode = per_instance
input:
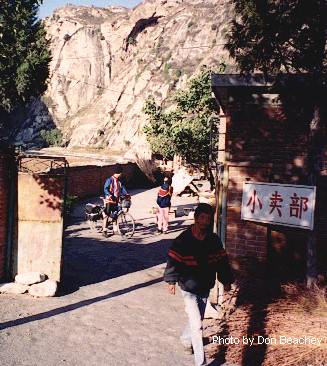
[(279, 204)]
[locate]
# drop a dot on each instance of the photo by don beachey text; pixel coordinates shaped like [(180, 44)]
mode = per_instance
[(258, 340)]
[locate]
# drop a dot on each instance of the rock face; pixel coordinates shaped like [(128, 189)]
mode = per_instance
[(107, 61)]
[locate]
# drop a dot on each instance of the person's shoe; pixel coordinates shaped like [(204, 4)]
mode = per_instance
[(165, 232), (159, 231), (105, 234)]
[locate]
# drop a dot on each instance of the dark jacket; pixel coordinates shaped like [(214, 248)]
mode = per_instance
[(194, 263), (164, 195)]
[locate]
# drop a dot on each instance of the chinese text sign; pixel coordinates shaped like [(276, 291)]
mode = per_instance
[(279, 204)]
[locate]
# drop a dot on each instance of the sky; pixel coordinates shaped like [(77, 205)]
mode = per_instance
[(49, 6)]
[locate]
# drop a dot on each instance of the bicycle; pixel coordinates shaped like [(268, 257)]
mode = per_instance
[(125, 221)]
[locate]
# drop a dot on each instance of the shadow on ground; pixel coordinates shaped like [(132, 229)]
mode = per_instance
[(256, 292), (90, 258), (76, 305)]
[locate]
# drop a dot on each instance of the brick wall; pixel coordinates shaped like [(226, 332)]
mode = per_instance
[(87, 181), (268, 147), (3, 210), (83, 181), (244, 238)]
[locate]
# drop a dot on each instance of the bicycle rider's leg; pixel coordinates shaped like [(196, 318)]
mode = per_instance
[(105, 219), (114, 211)]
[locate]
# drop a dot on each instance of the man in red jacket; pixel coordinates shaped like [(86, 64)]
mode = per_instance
[(195, 258)]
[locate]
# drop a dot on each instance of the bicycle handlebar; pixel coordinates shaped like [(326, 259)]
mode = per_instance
[(121, 198)]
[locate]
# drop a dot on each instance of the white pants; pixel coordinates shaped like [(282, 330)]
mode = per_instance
[(163, 218), (195, 306)]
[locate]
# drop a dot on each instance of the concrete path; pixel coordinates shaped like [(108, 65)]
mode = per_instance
[(113, 309)]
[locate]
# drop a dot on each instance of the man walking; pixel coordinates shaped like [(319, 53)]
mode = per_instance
[(194, 259)]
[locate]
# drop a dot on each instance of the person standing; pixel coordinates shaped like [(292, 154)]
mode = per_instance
[(113, 190), (195, 258), (164, 204)]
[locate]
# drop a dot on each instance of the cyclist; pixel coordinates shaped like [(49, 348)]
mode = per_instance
[(113, 190)]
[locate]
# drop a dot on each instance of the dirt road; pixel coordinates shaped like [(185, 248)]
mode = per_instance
[(113, 308)]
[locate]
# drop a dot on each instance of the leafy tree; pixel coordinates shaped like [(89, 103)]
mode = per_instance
[(276, 37), (185, 128), (24, 54), (52, 137)]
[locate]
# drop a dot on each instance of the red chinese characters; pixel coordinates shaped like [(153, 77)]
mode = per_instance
[(275, 201), (252, 201), (298, 205)]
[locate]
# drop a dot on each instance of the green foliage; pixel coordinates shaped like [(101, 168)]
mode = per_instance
[(185, 129), (70, 201), (279, 36), (24, 53), (52, 137)]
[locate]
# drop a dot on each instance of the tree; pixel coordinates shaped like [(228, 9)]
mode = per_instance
[(276, 37), (185, 128), (52, 137), (24, 54)]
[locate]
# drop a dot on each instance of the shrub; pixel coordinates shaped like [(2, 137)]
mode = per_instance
[(70, 201), (52, 137)]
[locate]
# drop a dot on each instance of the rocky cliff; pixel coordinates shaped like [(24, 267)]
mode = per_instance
[(107, 61)]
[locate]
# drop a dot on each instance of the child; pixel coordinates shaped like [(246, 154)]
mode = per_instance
[(164, 203)]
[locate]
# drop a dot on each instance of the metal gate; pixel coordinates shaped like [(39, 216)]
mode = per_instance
[(41, 192)]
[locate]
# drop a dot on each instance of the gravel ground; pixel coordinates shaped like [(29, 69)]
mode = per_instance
[(113, 307)]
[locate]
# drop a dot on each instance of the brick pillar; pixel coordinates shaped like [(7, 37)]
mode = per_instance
[(4, 192)]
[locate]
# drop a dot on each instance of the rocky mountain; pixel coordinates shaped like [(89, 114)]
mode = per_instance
[(107, 61)]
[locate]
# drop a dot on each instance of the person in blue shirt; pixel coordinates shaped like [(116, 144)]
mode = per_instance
[(113, 190)]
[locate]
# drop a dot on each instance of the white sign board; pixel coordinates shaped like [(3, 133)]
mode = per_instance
[(279, 204)]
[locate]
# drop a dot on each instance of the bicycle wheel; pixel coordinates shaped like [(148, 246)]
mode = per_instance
[(95, 225), (126, 224)]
